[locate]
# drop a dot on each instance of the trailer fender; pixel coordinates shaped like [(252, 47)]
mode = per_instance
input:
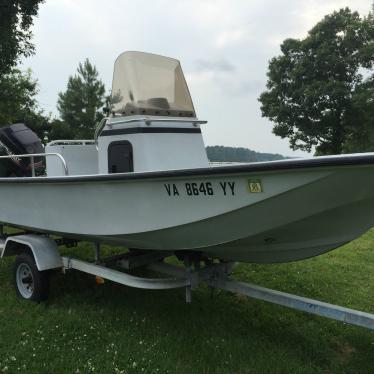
[(43, 249)]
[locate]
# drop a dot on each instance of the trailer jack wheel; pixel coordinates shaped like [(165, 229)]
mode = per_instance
[(30, 283)]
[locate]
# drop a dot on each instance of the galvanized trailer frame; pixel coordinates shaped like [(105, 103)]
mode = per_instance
[(195, 270)]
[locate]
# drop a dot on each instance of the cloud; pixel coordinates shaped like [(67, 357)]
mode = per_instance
[(216, 66), (248, 87), (230, 37)]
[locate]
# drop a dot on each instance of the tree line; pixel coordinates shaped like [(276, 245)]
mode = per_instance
[(219, 153), (319, 92)]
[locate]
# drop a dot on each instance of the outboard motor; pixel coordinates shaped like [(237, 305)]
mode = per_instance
[(19, 139)]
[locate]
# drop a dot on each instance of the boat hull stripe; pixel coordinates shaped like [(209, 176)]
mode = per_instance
[(151, 130)]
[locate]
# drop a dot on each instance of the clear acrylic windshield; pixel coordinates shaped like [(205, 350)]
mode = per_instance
[(144, 83)]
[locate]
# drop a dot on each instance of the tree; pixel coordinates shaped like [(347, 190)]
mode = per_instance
[(18, 89), (79, 105), (18, 103), (16, 18), (360, 123), (59, 130), (312, 85)]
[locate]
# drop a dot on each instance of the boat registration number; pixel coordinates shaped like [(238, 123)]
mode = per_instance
[(200, 189)]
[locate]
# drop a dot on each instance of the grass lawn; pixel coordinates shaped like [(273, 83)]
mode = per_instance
[(110, 328)]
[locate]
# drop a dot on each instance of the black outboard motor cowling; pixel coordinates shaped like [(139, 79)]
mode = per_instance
[(19, 139)]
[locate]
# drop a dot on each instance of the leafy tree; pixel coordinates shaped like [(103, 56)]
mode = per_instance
[(314, 84), (17, 95), (361, 116), (16, 18), (79, 105), (18, 103), (360, 121), (59, 130)]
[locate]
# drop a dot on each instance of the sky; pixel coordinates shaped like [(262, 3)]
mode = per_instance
[(224, 47)]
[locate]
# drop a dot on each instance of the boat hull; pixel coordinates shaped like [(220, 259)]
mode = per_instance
[(296, 210)]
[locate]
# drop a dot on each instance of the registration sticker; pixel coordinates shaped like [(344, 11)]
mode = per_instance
[(254, 185)]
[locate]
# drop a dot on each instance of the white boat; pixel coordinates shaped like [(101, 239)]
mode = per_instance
[(145, 182)]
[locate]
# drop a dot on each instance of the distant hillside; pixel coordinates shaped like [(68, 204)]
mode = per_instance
[(219, 153)]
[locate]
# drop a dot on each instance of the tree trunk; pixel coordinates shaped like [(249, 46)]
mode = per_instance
[(337, 137)]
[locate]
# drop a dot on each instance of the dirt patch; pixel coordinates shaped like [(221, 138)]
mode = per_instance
[(345, 351)]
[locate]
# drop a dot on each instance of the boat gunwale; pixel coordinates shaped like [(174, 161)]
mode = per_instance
[(268, 166)]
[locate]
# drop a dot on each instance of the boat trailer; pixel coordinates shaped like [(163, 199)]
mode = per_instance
[(37, 255)]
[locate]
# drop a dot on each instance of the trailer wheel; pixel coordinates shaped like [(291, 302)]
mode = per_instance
[(30, 283)]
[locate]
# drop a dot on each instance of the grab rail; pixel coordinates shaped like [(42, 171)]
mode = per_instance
[(98, 130), (32, 155), (71, 141), (149, 120)]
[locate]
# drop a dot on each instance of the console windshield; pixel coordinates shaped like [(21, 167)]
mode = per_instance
[(145, 83)]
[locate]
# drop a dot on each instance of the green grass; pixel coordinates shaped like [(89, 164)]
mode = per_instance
[(110, 328)]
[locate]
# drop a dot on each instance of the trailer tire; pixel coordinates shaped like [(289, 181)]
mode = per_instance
[(30, 283)]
